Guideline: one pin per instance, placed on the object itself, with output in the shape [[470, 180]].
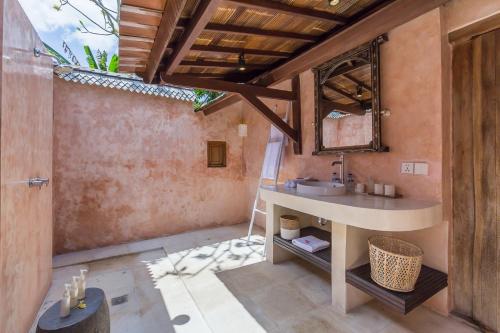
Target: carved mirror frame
[[369, 52]]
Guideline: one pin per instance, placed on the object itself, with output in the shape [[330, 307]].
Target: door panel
[[476, 178]]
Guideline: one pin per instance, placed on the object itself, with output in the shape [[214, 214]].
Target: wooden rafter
[[342, 92], [357, 82], [289, 10], [384, 19], [223, 102], [237, 50], [203, 14], [220, 64], [296, 115], [220, 85], [172, 14], [249, 31], [328, 106], [262, 108]]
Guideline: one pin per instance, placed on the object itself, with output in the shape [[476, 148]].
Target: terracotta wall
[[25, 151], [411, 79], [130, 166]]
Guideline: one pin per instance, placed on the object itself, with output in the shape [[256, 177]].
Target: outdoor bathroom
[[370, 126]]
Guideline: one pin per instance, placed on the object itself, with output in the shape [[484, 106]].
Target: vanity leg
[[274, 253], [349, 250]]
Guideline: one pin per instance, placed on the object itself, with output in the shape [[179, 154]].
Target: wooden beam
[[389, 17], [249, 31], [137, 14], [296, 116], [339, 91], [202, 15], [219, 85], [328, 106], [262, 108], [220, 64], [238, 50], [357, 82], [282, 8], [367, 28], [171, 15], [220, 104]]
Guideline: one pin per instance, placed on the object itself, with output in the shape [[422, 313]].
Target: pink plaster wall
[[129, 166], [347, 131], [25, 151], [411, 88]]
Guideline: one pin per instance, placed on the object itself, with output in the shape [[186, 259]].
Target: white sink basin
[[320, 188]]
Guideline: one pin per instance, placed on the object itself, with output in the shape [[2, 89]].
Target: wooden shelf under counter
[[429, 283], [322, 259]]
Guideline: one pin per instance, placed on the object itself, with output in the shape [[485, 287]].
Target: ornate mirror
[[347, 102]]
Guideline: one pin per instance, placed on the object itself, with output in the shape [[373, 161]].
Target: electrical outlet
[[407, 168], [421, 169]]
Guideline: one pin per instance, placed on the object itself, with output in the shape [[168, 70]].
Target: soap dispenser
[[82, 284], [65, 306]]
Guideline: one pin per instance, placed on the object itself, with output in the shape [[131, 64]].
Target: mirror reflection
[[347, 102]]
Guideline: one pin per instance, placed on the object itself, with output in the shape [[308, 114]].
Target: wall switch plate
[[407, 168], [421, 169]]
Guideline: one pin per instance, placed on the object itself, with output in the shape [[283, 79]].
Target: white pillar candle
[[390, 190], [360, 188], [379, 189]]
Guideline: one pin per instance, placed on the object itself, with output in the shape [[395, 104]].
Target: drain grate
[[119, 300]]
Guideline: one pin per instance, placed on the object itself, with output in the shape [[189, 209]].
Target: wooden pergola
[[242, 47]]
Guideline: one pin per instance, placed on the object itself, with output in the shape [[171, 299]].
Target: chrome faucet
[[341, 163]]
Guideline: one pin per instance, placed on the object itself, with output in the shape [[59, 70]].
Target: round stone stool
[[93, 319]]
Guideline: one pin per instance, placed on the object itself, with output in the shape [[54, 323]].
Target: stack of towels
[[310, 243]]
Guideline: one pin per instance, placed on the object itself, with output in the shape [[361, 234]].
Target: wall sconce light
[[333, 2], [241, 62], [242, 130], [359, 92]]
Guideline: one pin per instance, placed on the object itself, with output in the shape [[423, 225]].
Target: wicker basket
[[289, 226], [395, 264], [290, 222]]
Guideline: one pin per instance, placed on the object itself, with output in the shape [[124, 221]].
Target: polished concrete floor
[[213, 281]]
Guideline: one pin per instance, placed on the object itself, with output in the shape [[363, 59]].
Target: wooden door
[[475, 269]]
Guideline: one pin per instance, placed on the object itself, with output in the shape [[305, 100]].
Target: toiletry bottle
[[65, 307], [74, 291], [83, 284]]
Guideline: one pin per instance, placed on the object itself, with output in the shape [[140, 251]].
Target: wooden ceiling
[[204, 38]]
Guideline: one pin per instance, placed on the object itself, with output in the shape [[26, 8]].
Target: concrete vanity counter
[[360, 210], [354, 218]]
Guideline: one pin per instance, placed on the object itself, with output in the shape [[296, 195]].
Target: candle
[[390, 190], [360, 188], [379, 189]]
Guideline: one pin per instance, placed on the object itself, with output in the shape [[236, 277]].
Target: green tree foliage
[[102, 60], [203, 97]]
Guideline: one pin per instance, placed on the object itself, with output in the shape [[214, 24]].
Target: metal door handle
[[38, 182]]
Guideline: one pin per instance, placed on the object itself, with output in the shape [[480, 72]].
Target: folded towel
[[310, 243]]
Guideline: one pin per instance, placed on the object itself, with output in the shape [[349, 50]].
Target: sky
[[55, 27]]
